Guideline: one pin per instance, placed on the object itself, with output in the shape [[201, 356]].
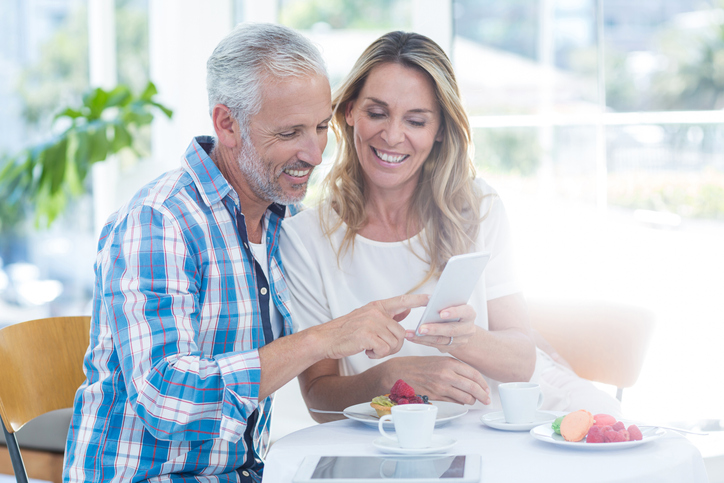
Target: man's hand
[[447, 336], [373, 328], [441, 378]]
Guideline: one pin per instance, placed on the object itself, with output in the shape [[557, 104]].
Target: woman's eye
[[322, 128], [417, 123], [375, 115]]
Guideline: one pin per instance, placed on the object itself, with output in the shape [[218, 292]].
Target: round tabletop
[[506, 455]]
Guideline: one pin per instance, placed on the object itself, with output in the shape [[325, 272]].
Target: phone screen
[[402, 468]]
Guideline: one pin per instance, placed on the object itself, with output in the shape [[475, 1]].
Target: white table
[[506, 456]]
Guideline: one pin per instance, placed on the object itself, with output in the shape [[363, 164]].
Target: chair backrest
[[603, 341], [42, 367]]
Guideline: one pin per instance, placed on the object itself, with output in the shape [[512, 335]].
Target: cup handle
[[381, 426], [540, 400]]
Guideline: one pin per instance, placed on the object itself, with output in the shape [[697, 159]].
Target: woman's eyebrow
[[383, 103]]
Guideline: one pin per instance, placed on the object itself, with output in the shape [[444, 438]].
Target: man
[[190, 302]]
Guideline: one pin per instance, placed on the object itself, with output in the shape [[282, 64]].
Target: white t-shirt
[[259, 251], [323, 290]]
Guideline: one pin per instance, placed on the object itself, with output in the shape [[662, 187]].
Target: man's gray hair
[[249, 56]]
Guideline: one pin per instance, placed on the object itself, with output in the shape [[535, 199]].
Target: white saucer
[[439, 444], [497, 420]]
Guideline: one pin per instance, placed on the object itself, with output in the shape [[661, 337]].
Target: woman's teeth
[[389, 158], [297, 173]]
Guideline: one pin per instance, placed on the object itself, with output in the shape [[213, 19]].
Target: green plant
[[47, 175]]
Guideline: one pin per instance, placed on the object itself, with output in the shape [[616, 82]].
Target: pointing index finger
[[399, 304]]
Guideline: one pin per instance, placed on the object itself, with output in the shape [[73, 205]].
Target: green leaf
[[96, 102], [149, 92], [69, 112], [121, 138], [54, 163], [80, 154], [120, 96], [98, 143], [164, 109]]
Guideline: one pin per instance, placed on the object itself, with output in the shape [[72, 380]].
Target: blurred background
[[599, 122]]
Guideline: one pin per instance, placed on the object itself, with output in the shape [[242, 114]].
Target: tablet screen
[[449, 467]]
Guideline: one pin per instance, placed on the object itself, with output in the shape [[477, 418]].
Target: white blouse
[[323, 288]]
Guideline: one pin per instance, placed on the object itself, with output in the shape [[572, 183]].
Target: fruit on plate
[[575, 425], [604, 420], [602, 428], [401, 393]]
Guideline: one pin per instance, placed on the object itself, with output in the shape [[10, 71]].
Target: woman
[[400, 200]]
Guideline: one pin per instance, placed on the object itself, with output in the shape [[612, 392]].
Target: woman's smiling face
[[396, 121]]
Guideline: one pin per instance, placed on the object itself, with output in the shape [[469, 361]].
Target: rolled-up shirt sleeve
[[153, 297]]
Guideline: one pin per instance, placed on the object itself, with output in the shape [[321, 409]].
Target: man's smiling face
[[288, 136]]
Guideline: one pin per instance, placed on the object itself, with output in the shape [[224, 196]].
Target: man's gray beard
[[262, 180]]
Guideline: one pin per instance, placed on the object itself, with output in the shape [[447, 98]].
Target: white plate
[[438, 445], [446, 412], [497, 420], [544, 432]]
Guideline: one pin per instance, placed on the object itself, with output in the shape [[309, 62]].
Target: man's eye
[[287, 135]]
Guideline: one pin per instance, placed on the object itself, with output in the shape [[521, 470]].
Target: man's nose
[[312, 149]]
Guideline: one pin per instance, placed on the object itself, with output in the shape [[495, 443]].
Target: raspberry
[[625, 434], [635, 433], [402, 389], [618, 426], [613, 437], [595, 435], [403, 400], [604, 420]]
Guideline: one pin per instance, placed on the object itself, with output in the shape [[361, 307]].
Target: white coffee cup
[[414, 424], [520, 400]]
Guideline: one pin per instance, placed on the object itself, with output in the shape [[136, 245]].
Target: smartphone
[[455, 286], [374, 469]]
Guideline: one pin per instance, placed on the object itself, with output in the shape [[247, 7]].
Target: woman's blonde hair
[[446, 204]]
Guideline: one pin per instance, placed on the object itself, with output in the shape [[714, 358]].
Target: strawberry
[[402, 389]]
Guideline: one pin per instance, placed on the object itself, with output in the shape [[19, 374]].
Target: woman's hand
[[447, 336], [440, 378]]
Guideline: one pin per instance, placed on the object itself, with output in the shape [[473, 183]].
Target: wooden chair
[[42, 364], [602, 341]]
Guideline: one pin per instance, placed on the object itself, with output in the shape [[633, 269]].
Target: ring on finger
[[451, 339]]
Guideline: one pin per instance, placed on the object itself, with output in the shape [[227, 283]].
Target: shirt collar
[[211, 184]]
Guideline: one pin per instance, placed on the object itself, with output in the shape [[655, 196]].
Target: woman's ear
[[440, 131], [225, 126], [348, 113]]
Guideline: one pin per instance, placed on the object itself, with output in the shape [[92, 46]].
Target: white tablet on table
[[374, 469]]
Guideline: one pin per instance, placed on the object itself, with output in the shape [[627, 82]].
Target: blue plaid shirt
[[173, 365]]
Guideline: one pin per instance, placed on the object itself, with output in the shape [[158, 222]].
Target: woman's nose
[[393, 134]]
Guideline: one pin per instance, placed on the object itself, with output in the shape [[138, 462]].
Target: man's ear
[[226, 127]]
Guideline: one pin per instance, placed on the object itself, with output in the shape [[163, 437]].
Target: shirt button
[[263, 290], [245, 473]]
